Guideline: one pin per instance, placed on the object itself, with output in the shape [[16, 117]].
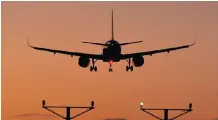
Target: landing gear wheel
[[91, 68], [127, 68], [110, 70], [95, 68], [131, 67]]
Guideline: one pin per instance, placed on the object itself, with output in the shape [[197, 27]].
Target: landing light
[[141, 104], [110, 62]]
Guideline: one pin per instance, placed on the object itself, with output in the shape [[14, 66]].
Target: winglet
[[28, 42], [193, 43]]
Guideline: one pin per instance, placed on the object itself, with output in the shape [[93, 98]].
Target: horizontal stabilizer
[[95, 43], [130, 43]]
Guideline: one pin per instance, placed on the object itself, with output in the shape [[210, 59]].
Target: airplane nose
[[110, 62]]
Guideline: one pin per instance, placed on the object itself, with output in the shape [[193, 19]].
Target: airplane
[[111, 53]]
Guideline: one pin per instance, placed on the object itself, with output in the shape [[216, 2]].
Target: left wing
[[95, 56], [125, 56]]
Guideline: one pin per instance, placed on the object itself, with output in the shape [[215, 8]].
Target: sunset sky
[[165, 80]]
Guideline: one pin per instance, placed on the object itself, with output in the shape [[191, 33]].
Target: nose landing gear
[[110, 69], [129, 67], [93, 67]]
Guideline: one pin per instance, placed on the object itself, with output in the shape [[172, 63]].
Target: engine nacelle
[[84, 61], [138, 61]]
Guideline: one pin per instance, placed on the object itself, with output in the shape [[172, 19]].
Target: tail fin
[[112, 33], [130, 43], [112, 25]]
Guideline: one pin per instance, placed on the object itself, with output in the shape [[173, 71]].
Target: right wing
[[130, 43], [95, 56], [125, 56]]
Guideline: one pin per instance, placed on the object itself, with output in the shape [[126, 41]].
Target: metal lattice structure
[[166, 112], [68, 108]]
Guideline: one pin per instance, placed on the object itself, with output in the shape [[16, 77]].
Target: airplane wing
[[95, 56], [125, 56], [130, 43]]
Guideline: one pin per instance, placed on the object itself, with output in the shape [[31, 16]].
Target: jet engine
[[84, 61], [138, 61]]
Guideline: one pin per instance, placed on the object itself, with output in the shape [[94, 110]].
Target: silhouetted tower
[[166, 111], [68, 108]]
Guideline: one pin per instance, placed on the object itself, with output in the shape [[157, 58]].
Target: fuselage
[[112, 51]]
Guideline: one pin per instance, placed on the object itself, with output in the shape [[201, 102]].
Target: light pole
[[68, 108], [166, 110]]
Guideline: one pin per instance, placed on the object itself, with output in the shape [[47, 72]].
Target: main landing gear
[[129, 66], [93, 67], [110, 69]]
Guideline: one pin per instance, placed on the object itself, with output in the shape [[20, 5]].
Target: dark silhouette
[[111, 53], [166, 110], [68, 116]]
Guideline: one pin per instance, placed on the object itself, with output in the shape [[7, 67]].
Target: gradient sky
[[166, 80]]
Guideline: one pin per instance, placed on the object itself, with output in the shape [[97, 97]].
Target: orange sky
[[166, 80]]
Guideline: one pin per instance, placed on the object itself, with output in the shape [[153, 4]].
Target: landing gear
[[93, 67], [110, 69], [129, 66]]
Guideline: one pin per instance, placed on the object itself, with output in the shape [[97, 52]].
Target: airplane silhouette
[[111, 53]]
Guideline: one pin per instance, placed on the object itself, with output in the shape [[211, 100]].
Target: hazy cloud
[[34, 114], [115, 119]]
